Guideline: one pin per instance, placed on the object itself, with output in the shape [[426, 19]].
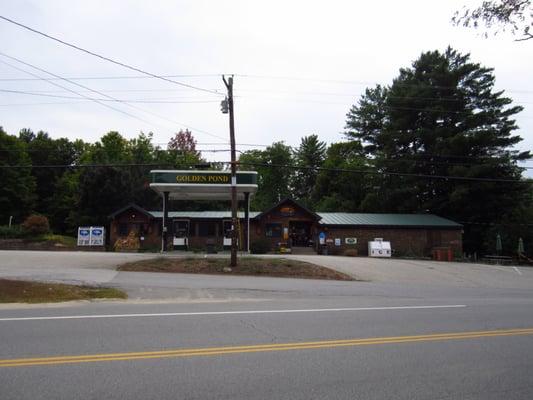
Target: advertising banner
[[91, 236]]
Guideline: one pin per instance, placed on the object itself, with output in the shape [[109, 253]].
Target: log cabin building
[[287, 227]]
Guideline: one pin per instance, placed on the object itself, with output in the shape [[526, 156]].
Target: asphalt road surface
[[452, 331]]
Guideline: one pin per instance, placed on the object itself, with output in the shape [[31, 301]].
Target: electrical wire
[[289, 166], [109, 77], [147, 101], [81, 95], [107, 58], [351, 82], [102, 94]]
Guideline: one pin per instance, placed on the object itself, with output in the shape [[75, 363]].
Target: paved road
[[221, 337]]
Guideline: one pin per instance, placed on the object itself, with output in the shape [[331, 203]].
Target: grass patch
[[278, 267], [67, 241], [14, 291]]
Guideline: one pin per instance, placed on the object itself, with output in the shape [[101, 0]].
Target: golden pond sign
[[202, 177], [218, 178]]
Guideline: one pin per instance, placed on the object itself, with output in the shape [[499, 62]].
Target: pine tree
[[310, 155], [441, 117]]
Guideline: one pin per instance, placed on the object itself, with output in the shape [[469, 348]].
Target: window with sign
[[273, 230], [181, 229]]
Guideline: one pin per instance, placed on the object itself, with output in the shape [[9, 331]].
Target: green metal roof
[[361, 219], [201, 214], [411, 220]]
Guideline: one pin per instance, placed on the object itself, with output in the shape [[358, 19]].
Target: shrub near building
[[36, 224]]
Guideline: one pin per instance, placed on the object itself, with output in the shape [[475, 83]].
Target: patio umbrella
[[498, 244], [520, 246]]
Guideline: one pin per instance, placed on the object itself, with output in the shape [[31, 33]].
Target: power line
[[289, 166], [251, 76], [352, 82], [370, 172], [147, 101], [79, 94], [55, 103], [110, 77], [108, 59], [493, 224], [102, 94]]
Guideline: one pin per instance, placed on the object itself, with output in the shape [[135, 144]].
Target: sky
[[298, 65]]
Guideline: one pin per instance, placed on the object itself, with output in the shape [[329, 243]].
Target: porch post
[[164, 224], [247, 218]]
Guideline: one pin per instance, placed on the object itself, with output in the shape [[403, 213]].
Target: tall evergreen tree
[[341, 191], [274, 179], [310, 156], [442, 117]]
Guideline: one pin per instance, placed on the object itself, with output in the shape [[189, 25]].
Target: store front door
[[300, 233]]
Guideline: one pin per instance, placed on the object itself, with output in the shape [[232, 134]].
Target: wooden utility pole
[[229, 86]]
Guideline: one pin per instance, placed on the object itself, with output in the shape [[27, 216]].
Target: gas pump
[[226, 227], [180, 240]]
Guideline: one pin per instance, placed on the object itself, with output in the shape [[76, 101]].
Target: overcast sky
[[329, 51]]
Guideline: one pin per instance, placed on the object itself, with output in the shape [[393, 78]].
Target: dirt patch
[[15, 291], [276, 267]]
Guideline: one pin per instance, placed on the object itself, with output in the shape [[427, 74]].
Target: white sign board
[[84, 234], [97, 236], [91, 236], [337, 241], [350, 240]]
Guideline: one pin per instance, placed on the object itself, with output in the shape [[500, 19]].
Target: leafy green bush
[[13, 232], [36, 224], [260, 246]]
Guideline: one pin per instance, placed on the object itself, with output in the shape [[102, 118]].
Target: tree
[[515, 15], [181, 150], [64, 203], [17, 183], [310, 155], [103, 189], [336, 190], [274, 177], [43, 150], [441, 118]]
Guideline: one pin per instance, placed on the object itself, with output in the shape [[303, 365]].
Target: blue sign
[[91, 236], [322, 238]]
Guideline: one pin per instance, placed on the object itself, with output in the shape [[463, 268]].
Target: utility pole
[[227, 105]]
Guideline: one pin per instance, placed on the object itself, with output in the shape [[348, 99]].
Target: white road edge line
[[517, 270], [188, 314]]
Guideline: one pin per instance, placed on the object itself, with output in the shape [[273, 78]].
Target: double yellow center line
[[216, 351]]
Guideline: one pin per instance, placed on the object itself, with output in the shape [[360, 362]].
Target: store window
[[273, 230], [123, 229]]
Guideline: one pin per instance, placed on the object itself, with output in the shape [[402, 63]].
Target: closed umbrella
[[520, 246], [498, 244]]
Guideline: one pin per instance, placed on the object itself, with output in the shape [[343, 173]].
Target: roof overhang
[[202, 185]]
